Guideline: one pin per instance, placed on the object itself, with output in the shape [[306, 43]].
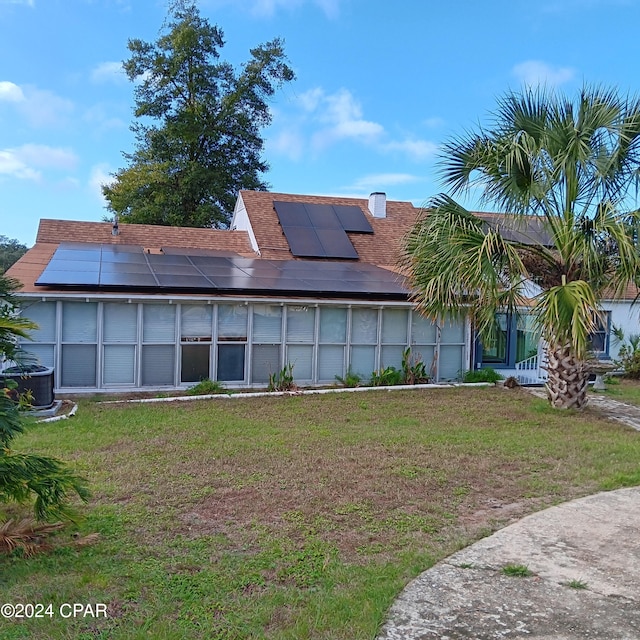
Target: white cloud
[[535, 73], [288, 143], [26, 162], [108, 72], [48, 157], [319, 120], [40, 108], [417, 149], [382, 180], [100, 174], [268, 8], [341, 117], [10, 92], [12, 165]]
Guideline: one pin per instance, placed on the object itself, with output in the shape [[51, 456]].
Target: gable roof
[[380, 248], [71, 255], [52, 233]]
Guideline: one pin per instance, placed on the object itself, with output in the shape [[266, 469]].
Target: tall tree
[[198, 134], [566, 166], [10, 252]]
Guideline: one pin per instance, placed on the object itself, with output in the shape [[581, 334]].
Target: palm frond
[[457, 265], [567, 315]]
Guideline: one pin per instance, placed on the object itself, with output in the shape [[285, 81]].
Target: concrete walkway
[[584, 559], [594, 542]]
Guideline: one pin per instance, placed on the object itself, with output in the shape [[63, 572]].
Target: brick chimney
[[378, 204]]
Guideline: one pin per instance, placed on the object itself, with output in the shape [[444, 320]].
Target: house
[[302, 280]]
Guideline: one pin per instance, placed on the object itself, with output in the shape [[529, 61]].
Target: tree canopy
[[567, 166], [11, 251], [198, 127]]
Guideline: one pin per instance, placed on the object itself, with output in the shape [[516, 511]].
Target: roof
[[51, 233], [90, 250], [380, 248]]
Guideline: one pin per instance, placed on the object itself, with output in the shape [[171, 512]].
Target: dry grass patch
[[302, 517]]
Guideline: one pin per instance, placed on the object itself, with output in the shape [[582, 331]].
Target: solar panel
[[323, 216], [320, 230], [304, 242], [336, 244], [292, 214], [234, 275], [352, 218]]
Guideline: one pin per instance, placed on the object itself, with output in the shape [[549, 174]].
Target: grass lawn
[[294, 517], [623, 390]]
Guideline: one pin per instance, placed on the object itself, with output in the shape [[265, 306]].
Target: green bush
[[282, 380], [629, 355], [350, 380], [386, 377], [206, 387], [482, 375], [414, 371]]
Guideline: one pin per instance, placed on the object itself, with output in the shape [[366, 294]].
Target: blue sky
[[380, 86]]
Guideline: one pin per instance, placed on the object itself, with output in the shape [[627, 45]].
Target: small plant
[[386, 377], [350, 380], [629, 354], [206, 387], [482, 375], [577, 584], [413, 368], [517, 571], [282, 380]]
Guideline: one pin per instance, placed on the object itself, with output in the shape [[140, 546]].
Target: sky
[[380, 86]]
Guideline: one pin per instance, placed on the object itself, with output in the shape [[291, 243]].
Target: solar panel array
[[119, 267], [320, 230]]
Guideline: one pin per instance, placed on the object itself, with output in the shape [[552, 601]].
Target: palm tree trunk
[[568, 378]]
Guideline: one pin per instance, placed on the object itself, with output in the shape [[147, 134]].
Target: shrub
[[629, 355], [282, 380], [414, 370], [386, 377], [482, 375], [350, 380], [206, 387]]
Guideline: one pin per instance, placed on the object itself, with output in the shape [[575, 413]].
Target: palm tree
[[27, 477], [563, 170]]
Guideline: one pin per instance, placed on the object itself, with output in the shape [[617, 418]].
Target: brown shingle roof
[[52, 232], [380, 248], [146, 235]]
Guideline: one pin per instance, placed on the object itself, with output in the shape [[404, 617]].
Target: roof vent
[[115, 230], [378, 204]]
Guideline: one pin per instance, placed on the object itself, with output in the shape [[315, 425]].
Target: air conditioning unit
[[37, 379]]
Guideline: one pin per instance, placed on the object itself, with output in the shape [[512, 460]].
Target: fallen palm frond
[[26, 534]]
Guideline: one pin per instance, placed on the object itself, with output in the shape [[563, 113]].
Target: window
[[494, 348], [364, 340], [42, 345], [158, 348], [300, 333], [79, 344], [232, 339], [424, 337], [333, 337], [394, 337], [267, 335], [120, 330], [196, 332], [599, 339]]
